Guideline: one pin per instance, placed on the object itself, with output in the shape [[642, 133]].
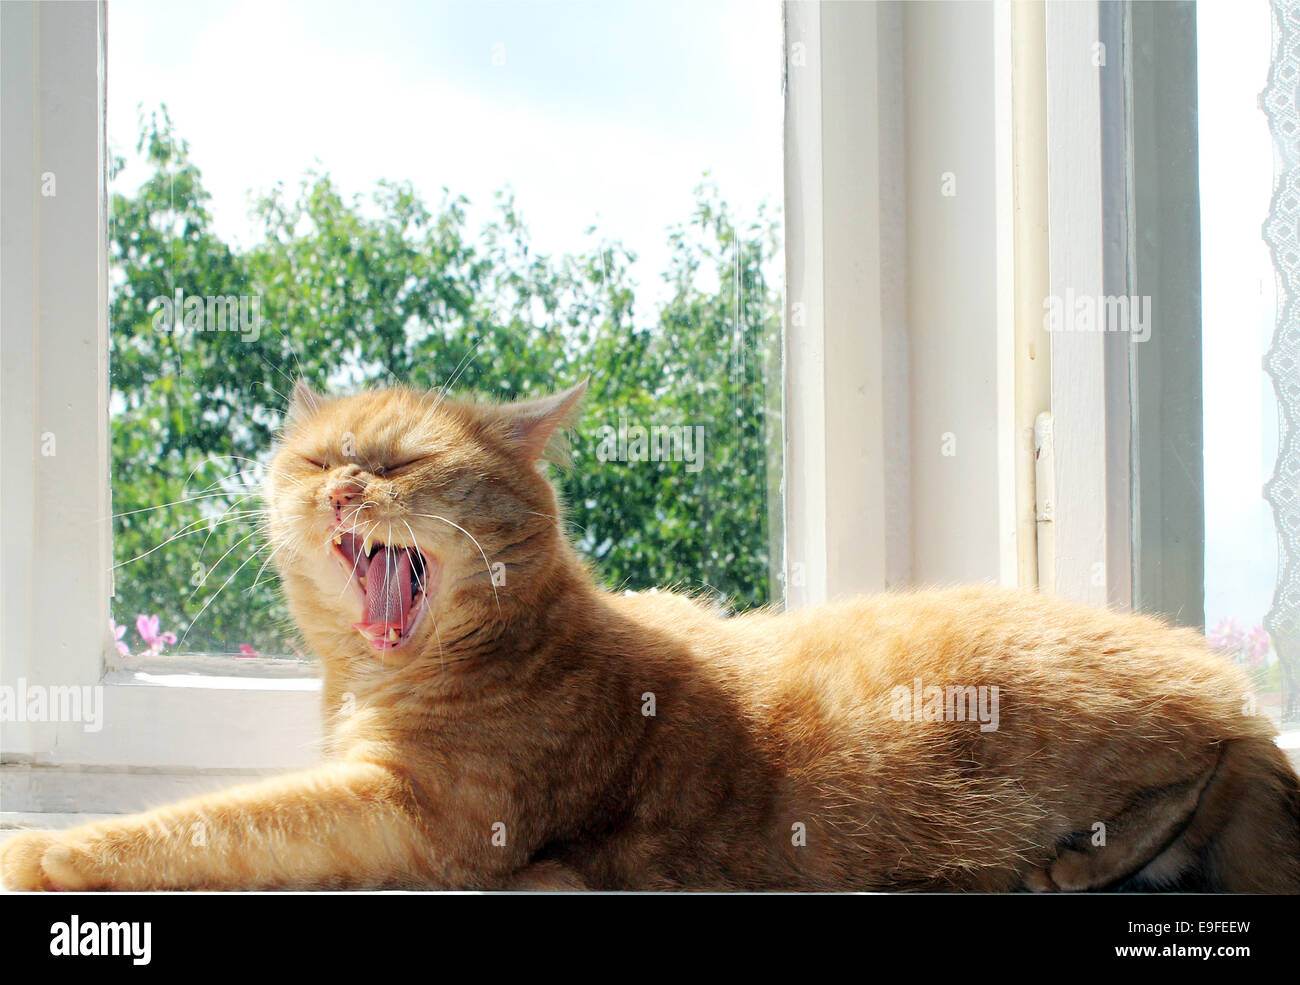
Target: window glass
[[1238, 295], [515, 195]]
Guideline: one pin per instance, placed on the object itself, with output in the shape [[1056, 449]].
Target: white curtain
[[1281, 102]]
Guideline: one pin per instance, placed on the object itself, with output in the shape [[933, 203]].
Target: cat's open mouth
[[393, 584]]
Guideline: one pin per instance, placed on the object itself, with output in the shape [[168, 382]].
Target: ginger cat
[[498, 721]]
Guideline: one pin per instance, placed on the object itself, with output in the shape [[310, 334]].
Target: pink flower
[[118, 632], [247, 651], [147, 627], [1256, 645], [1227, 635]]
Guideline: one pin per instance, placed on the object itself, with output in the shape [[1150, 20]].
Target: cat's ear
[[303, 403], [538, 426]]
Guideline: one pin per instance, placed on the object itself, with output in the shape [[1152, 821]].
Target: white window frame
[[872, 348], [870, 379], [841, 166], [159, 733], [1091, 421]]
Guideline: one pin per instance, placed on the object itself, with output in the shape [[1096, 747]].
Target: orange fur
[[507, 743]]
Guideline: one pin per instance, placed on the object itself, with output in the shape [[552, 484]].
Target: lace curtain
[[1280, 100]]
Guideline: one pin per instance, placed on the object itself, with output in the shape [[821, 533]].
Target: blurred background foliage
[[359, 293]]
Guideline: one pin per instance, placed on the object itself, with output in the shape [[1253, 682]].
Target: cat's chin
[[391, 585]]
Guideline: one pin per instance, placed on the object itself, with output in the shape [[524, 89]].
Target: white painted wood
[[845, 402], [20, 820], [1083, 552], [958, 311], [200, 727], [29, 792], [1031, 345], [900, 392], [896, 354], [250, 669], [55, 353], [1045, 501], [18, 210], [1008, 210], [804, 395]]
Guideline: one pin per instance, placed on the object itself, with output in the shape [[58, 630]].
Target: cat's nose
[[343, 494]]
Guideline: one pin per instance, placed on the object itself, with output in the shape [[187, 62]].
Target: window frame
[[870, 353], [1129, 513], [1091, 542], [56, 514], [843, 157]]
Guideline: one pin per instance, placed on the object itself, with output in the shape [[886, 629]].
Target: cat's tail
[[1244, 836]]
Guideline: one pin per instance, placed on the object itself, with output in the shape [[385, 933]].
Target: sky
[[595, 113]]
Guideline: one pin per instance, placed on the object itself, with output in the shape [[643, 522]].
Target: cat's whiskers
[[236, 488], [208, 573], [209, 523], [193, 527], [178, 502], [487, 564], [256, 473], [242, 514], [214, 595], [260, 472], [557, 519], [258, 577], [424, 590], [445, 389]]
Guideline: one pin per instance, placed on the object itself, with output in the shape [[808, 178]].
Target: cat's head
[[391, 510]]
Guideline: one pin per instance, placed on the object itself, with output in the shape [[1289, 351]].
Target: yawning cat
[[497, 720]]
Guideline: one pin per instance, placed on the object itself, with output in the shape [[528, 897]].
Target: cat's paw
[[1076, 871], [1039, 881], [1071, 872], [39, 861], [21, 867]]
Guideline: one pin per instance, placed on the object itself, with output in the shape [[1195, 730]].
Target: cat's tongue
[[388, 594]]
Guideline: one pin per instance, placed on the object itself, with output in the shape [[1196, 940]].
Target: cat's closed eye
[[390, 469]]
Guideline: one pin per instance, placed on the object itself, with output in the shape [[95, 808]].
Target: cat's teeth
[[362, 579], [338, 539], [367, 543], [393, 635]]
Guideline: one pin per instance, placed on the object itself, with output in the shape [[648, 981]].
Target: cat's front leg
[[349, 824]]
